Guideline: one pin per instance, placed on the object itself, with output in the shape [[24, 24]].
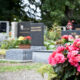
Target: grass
[[1, 61], [33, 66]]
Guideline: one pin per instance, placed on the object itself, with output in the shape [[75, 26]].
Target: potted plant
[[24, 42]]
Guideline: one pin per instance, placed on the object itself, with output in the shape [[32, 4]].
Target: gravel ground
[[21, 75]]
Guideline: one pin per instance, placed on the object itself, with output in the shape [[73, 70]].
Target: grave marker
[[4, 30], [37, 34], [35, 30]]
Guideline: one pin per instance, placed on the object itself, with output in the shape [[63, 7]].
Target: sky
[[32, 6]]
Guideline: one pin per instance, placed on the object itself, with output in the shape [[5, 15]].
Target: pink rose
[[51, 59], [77, 42], [72, 48], [72, 54], [77, 58], [78, 68], [72, 58], [60, 49], [56, 58], [59, 58]]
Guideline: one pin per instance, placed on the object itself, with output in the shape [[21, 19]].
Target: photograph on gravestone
[[23, 29], [3, 27], [37, 34]]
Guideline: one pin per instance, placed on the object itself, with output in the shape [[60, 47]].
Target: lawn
[[13, 66]]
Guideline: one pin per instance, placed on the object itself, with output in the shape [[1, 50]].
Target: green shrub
[[50, 44], [55, 33], [8, 44], [48, 70]]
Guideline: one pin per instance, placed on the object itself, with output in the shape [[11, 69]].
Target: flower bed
[[66, 61], [24, 42]]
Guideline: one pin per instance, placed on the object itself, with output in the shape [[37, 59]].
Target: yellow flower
[[3, 52], [21, 38]]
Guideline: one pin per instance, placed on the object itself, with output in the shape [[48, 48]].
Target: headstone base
[[41, 56], [22, 54]]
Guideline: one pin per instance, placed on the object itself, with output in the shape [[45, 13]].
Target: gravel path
[[21, 75]]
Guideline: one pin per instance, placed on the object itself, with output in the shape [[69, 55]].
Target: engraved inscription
[[36, 29]]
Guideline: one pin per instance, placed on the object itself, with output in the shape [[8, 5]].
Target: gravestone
[[35, 30], [14, 26], [4, 30], [23, 29], [70, 32], [37, 34]]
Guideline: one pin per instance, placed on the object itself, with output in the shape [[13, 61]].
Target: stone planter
[[23, 46]]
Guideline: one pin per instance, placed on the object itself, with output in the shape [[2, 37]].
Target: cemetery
[[39, 40], [27, 42]]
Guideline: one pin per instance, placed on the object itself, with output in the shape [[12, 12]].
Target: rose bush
[[66, 61]]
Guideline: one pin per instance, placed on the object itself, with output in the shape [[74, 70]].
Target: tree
[[59, 11], [12, 10]]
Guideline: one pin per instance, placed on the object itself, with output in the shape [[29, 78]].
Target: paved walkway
[[21, 75]]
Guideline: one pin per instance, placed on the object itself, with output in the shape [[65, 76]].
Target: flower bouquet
[[24, 42], [65, 39], [66, 61]]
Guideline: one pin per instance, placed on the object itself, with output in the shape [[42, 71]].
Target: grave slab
[[19, 54], [22, 54], [41, 56]]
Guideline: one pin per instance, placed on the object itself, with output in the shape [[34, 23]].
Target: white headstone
[[14, 26]]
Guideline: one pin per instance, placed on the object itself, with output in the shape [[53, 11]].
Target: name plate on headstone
[[36, 29]]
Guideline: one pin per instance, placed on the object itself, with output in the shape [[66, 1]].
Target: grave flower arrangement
[[66, 61], [65, 39], [24, 42]]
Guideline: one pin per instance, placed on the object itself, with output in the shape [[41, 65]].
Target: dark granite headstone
[[37, 34], [35, 30]]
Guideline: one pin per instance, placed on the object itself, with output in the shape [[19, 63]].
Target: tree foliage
[[59, 11], [11, 9]]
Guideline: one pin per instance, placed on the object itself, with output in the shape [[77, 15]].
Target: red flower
[[65, 37], [28, 37]]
